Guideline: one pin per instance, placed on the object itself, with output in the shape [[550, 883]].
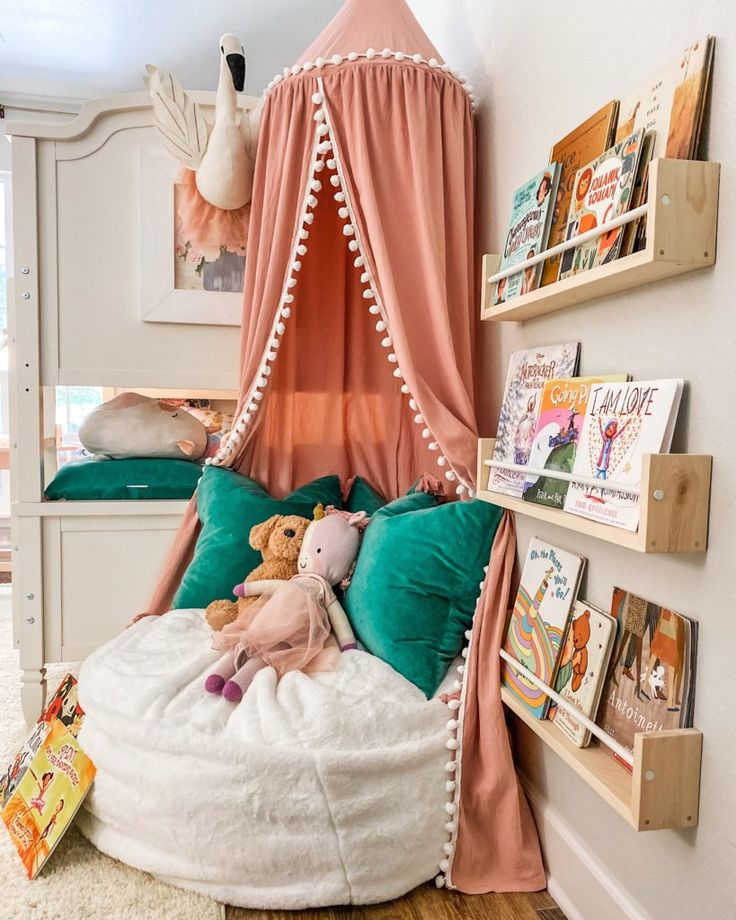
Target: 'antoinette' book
[[603, 190], [650, 683], [547, 591], [556, 437], [586, 652], [528, 372], [589, 140], [622, 422], [531, 214]]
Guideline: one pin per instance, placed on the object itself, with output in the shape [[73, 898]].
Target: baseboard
[[581, 885]]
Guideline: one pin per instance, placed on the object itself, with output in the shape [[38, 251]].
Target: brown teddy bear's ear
[[260, 533]]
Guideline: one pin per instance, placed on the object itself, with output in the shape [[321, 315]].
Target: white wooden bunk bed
[[92, 297]]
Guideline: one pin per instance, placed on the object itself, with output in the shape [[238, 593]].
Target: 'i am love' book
[[561, 413], [547, 591], [586, 651], [603, 190], [622, 422], [531, 214], [650, 683], [528, 372]]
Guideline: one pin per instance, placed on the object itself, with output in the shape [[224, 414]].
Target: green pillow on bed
[[414, 589], [229, 504], [124, 480], [363, 497]]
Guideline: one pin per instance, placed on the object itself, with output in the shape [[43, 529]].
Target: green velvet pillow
[[229, 505], [363, 497], [121, 480], [414, 589]]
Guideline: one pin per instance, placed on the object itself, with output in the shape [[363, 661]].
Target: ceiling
[[88, 48]]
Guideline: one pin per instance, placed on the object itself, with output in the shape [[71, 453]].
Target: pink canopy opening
[[357, 336]]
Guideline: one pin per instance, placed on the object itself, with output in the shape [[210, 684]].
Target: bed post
[[26, 430]]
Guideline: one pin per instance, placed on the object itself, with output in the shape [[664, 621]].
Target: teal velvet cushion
[[414, 589], [363, 497], [229, 505], [124, 480]]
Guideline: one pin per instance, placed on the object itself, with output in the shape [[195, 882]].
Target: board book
[[528, 372], [586, 651], [623, 421], [561, 412], [547, 591], [590, 139], [650, 683], [531, 214], [602, 190]]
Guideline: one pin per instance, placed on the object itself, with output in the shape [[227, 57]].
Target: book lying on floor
[[623, 421], [531, 214], [650, 684], [547, 591], [586, 651], [528, 372], [47, 781], [561, 413]]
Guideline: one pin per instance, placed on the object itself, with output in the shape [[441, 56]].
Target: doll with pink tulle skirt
[[294, 625]]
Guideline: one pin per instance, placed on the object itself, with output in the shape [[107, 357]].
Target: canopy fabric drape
[[357, 335]]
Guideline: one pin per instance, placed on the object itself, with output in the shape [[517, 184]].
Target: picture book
[[47, 797], [671, 103], [549, 584], [633, 230], [602, 190], [556, 437], [64, 706], [528, 371], [586, 651], [531, 213], [622, 422], [650, 683], [590, 139]]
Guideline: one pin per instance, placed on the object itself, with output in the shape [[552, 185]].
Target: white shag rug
[[78, 882]]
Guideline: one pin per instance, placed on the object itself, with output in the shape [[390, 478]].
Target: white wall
[[539, 70]]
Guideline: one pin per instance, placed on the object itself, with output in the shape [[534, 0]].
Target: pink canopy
[[357, 336]]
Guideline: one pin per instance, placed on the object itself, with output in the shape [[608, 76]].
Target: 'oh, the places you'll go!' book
[[547, 591], [528, 372], [531, 216], [622, 422], [603, 190]]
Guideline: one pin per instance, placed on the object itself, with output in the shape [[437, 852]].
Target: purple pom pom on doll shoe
[[214, 683], [232, 692]]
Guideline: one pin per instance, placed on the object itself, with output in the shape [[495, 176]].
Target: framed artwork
[[180, 284]]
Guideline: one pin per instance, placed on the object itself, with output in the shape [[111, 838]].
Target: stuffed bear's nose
[[289, 533]]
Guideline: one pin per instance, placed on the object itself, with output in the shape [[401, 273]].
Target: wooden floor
[[425, 903]]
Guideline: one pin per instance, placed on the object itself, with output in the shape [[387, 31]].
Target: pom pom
[[330, 163], [307, 65], [451, 744], [359, 262], [295, 69], [288, 298], [208, 461], [380, 326], [413, 404], [317, 99], [343, 213], [365, 277], [252, 407], [319, 165], [442, 461], [417, 58], [296, 266], [261, 382], [348, 230], [353, 246], [337, 59], [452, 725], [368, 294], [451, 827], [302, 249], [370, 53], [386, 342], [457, 685], [285, 72], [464, 653], [450, 766], [303, 234], [286, 312], [450, 475], [460, 669], [280, 328], [322, 130], [448, 847], [387, 53], [459, 490], [339, 196], [318, 63], [374, 309], [316, 185], [418, 418], [453, 704], [324, 147], [433, 445], [334, 181], [308, 218], [392, 358], [404, 388], [469, 88], [399, 55], [433, 62], [426, 433], [468, 634], [397, 373], [450, 808], [439, 881], [471, 493], [353, 56], [291, 283], [444, 865], [246, 417]]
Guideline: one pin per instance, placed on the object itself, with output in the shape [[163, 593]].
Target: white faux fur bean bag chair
[[318, 790]]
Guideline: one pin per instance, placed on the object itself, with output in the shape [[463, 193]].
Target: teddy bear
[[290, 626], [580, 636], [279, 540]]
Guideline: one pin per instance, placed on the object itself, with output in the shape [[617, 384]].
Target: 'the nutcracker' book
[[547, 591], [528, 372]]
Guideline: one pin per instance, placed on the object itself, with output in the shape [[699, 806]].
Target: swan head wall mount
[[233, 53]]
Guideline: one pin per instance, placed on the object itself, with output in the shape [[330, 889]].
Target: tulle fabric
[[290, 629], [206, 227]]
